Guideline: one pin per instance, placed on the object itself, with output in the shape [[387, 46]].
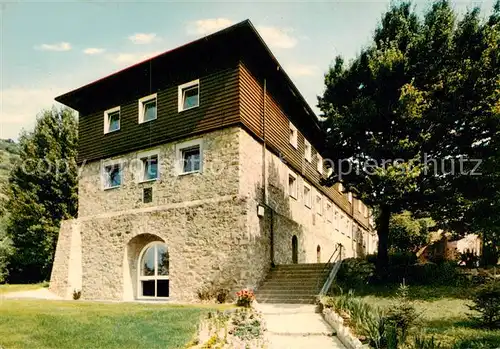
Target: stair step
[[287, 300]]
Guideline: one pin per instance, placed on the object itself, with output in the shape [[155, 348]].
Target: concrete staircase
[[293, 283]]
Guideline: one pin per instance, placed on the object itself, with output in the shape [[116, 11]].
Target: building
[[200, 168]]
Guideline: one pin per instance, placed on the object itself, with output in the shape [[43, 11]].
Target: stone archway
[[132, 254]]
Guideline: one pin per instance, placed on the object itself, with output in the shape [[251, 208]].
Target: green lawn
[[80, 325], [443, 314]]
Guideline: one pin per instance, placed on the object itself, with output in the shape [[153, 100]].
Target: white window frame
[[319, 164], [307, 200], [108, 163], [144, 100], [307, 151], [336, 219], [155, 277], [180, 92], [342, 224], [179, 154], [318, 206], [349, 197], [106, 119], [293, 135], [144, 155], [293, 193]]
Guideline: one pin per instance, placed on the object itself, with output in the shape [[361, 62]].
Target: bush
[[402, 315], [77, 294], [486, 301], [425, 343], [355, 272], [245, 298]]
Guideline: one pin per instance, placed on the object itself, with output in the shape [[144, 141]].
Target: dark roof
[[241, 38]]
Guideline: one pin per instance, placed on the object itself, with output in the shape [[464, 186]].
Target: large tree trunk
[[383, 239]]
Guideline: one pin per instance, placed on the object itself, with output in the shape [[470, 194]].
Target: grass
[[443, 313], [67, 324]]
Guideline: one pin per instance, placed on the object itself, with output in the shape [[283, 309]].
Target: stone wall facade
[[209, 221]]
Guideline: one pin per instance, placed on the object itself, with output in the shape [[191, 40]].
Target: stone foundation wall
[[210, 244], [67, 268]]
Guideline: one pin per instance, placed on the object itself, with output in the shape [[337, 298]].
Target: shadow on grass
[[488, 341], [417, 292]]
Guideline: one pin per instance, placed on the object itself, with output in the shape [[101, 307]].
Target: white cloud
[[125, 58], [302, 69], [278, 37], [60, 46], [19, 107], [93, 51], [207, 26], [143, 38]]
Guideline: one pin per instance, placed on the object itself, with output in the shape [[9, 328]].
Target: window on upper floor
[[293, 135], [189, 95], [307, 150], [340, 187], [349, 197], [112, 120], [112, 175], [189, 157], [307, 195], [319, 204], [329, 213], [149, 166], [336, 220], [319, 164], [147, 108], [292, 185]]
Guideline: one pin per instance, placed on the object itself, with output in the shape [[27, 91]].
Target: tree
[[407, 233], [420, 99], [42, 191]]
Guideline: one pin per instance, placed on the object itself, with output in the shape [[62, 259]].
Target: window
[[292, 185], [112, 176], [112, 120], [147, 108], [189, 157], [329, 212], [319, 204], [150, 168], [189, 95], [307, 150], [360, 206], [349, 197], [341, 187], [307, 195], [319, 165], [336, 220], [342, 224], [293, 135], [153, 271]]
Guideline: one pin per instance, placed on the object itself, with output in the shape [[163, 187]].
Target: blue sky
[[48, 48]]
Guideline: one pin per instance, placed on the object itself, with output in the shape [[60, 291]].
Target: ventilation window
[[147, 195]]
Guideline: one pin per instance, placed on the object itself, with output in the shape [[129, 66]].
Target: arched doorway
[[295, 250], [153, 271], [318, 254]]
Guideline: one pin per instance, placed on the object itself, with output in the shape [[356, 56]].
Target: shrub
[[425, 343], [355, 272], [222, 295], [402, 315], [486, 301], [77, 294], [244, 298]]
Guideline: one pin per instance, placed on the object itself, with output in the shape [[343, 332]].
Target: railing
[[336, 260]]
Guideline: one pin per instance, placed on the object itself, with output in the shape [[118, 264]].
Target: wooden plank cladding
[[277, 135], [219, 99]]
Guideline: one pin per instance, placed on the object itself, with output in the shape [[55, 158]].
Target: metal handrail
[[327, 264], [333, 271]]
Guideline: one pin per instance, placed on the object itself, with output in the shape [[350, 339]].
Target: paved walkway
[[297, 326], [41, 293]]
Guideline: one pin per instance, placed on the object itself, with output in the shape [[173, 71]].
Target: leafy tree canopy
[[42, 191], [408, 114]]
